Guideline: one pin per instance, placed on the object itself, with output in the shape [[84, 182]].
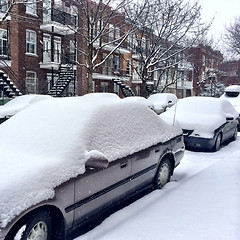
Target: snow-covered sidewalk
[[201, 202]]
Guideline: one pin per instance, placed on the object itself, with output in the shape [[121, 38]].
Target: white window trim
[[3, 39], [33, 43]]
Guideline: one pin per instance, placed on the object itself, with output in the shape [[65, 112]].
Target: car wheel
[[234, 137], [34, 227], [163, 173], [218, 142]]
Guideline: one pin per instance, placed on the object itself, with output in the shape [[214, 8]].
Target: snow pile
[[43, 144], [201, 114]]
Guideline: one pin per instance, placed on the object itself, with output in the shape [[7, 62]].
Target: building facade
[[43, 50]]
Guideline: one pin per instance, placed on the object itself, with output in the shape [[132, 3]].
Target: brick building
[[206, 67], [230, 73], [43, 50]]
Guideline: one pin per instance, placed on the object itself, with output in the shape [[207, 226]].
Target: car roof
[[233, 88]]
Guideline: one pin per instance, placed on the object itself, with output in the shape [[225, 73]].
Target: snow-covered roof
[[43, 144], [19, 103], [201, 114]]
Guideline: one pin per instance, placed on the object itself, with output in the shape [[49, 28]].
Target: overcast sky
[[224, 11]]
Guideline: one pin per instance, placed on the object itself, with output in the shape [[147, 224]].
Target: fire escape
[[65, 77], [7, 87], [126, 90]]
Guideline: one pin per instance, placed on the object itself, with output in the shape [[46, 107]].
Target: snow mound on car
[[49, 142]]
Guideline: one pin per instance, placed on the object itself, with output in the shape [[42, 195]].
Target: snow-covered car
[[19, 103], [162, 101], [139, 99], [65, 160], [206, 122], [232, 94]]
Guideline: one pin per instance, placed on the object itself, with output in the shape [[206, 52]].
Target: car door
[[228, 129], [144, 165], [99, 188]]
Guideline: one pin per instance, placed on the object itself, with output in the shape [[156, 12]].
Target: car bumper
[[199, 143]]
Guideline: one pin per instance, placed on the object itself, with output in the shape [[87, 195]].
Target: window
[[129, 40], [117, 33], [57, 49], [128, 68], [3, 5], [111, 32], [104, 87], [73, 51], [3, 43], [31, 82], [46, 48], [31, 41], [116, 63], [31, 7]]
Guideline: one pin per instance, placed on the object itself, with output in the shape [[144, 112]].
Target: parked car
[[232, 94], [206, 122], [66, 160], [19, 103], [139, 99], [162, 101]]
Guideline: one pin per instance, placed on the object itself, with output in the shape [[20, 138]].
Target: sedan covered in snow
[[64, 161], [206, 122], [232, 94], [162, 101]]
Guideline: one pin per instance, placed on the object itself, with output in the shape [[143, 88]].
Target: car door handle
[[123, 164]]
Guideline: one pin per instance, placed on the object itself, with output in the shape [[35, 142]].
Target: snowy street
[[201, 202]]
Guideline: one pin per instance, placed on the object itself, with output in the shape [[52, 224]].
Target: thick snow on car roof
[[163, 98], [203, 114], [233, 88], [19, 103], [139, 99], [232, 94], [43, 144]]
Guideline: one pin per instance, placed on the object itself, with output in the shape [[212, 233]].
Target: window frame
[[31, 86], [31, 44], [3, 42]]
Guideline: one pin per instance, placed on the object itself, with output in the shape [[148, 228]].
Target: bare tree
[[103, 29], [232, 37], [167, 29]]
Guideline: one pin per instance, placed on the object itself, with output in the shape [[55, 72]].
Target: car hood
[[202, 126], [49, 142]]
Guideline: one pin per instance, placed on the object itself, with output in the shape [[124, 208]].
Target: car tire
[[163, 174], [218, 142], [234, 137], [37, 226]]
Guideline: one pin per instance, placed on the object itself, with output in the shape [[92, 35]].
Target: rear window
[[232, 94]]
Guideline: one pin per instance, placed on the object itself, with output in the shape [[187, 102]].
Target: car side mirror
[[97, 163], [229, 118]]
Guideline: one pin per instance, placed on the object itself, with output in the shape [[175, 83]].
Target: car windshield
[[232, 94]]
